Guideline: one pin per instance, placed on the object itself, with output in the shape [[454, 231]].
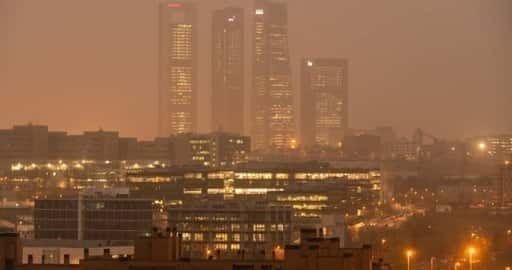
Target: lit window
[[198, 237], [258, 237], [221, 237], [236, 237], [258, 227]]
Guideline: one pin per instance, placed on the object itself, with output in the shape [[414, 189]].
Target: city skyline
[[255, 134], [462, 120]]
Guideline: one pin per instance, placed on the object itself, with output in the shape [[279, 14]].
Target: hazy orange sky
[[436, 64]]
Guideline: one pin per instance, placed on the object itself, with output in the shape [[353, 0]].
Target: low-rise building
[[163, 251], [210, 150], [92, 216], [72, 251], [232, 227]]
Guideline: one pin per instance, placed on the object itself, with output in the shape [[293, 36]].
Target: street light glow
[[409, 253], [482, 146], [471, 250]]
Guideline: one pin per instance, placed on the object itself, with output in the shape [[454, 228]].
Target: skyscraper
[[178, 68], [272, 117], [324, 101], [228, 70]]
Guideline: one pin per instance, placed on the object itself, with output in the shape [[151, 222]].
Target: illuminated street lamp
[[482, 146], [471, 252], [456, 265], [409, 253]]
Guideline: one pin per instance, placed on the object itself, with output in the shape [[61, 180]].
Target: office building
[[499, 146], [272, 117], [362, 147], [92, 215], [158, 149], [100, 145], [231, 227], [228, 110], [311, 190], [209, 150], [24, 143], [178, 68], [128, 148], [324, 101]]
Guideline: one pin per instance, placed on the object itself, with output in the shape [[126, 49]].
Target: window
[[221, 237], [198, 237], [258, 237], [221, 246], [258, 227], [235, 227], [236, 237]]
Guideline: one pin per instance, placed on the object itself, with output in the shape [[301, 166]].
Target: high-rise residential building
[[228, 70], [324, 101], [178, 68], [272, 116]]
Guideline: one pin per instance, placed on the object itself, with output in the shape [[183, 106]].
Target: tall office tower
[[272, 101], [324, 101], [228, 70], [178, 69]]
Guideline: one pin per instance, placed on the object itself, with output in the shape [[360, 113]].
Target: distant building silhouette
[[228, 70], [324, 101], [24, 142], [272, 116], [178, 68]]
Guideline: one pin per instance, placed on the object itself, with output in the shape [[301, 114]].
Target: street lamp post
[[409, 253], [471, 252], [456, 266]]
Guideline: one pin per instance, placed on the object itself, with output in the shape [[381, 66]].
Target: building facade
[[228, 110], [209, 150], [324, 101], [311, 190], [229, 228], [499, 146], [92, 217], [272, 118], [178, 68], [21, 143]]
